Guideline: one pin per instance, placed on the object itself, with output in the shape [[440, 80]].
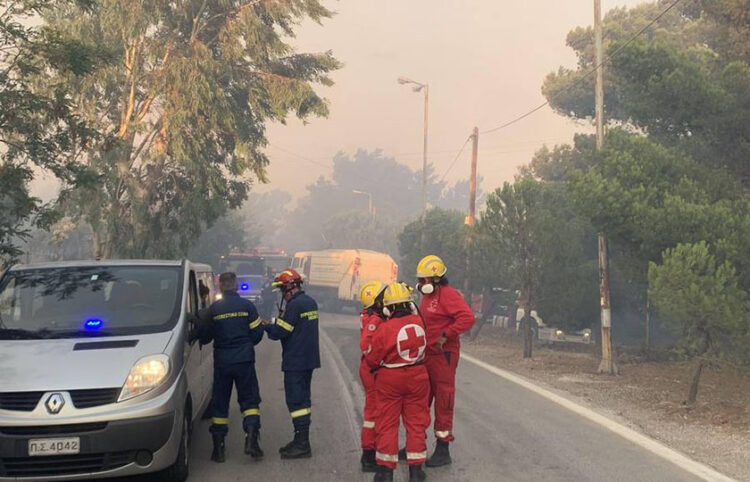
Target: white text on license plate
[[54, 446]]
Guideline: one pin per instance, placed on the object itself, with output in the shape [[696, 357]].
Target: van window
[[89, 301], [206, 289]]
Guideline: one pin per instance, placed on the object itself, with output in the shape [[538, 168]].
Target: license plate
[[54, 446]]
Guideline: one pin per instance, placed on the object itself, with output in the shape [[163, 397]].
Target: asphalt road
[[503, 431]]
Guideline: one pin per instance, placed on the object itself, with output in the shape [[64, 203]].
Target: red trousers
[[371, 407], [402, 393], [442, 370]]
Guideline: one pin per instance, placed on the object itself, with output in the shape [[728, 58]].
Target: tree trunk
[[527, 333], [697, 370], [647, 337]]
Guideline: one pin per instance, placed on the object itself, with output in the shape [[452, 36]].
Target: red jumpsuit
[[403, 388], [368, 324], [445, 313]]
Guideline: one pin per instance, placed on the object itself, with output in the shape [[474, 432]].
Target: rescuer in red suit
[[371, 296], [446, 315], [396, 354]]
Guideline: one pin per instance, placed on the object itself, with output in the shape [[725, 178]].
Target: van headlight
[[148, 373]]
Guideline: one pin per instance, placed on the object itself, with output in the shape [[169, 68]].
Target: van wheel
[[179, 471]]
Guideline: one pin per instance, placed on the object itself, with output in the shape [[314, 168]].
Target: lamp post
[[425, 88], [369, 198]]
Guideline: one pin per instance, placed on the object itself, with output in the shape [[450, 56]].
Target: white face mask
[[427, 289]]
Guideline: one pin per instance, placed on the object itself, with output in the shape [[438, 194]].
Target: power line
[[455, 159], [590, 72]]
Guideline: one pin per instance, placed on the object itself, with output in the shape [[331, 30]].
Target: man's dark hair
[[228, 282]]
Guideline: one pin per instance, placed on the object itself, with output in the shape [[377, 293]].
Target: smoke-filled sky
[[484, 60]]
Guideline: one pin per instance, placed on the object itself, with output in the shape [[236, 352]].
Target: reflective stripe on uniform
[[284, 324], [442, 433], [236, 314], [309, 315], [251, 411], [219, 421], [401, 365], [301, 412], [368, 424], [386, 457], [255, 324], [416, 455]]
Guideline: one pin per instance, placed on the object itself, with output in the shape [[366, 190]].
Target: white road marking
[[696, 468], [338, 367]]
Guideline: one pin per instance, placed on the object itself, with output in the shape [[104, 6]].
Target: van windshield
[[88, 301]]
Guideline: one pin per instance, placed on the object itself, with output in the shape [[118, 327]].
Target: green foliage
[[360, 229], [647, 197], [225, 235], [183, 109], [326, 212], [701, 298], [444, 235], [38, 126], [684, 82], [264, 216], [531, 240]]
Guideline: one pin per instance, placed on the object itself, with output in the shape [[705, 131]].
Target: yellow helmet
[[369, 293], [431, 267], [396, 293]]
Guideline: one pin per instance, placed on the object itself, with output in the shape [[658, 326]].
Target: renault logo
[[55, 403]]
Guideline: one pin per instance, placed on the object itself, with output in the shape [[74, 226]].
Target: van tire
[[179, 471]]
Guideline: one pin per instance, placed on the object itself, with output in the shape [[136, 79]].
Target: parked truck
[[334, 276]]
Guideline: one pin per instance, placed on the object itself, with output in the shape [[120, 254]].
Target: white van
[[99, 373]]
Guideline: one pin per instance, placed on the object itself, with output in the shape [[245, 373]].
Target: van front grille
[[64, 464], [54, 429], [20, 401], [95, 397]]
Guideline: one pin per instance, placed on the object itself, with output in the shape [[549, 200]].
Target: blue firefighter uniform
[[297, 328], [236, 328]]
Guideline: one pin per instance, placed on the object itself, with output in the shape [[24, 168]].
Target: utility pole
[[426, 91], [607, 364], [472, 207]]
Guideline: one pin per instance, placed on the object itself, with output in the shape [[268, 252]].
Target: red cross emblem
[[411, 342]]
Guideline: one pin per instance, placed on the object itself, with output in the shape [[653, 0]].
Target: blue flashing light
[[244, 286], [93, 324]]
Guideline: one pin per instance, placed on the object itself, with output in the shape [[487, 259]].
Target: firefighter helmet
[[370, 292], [396, 293], [431, 267], [287, 279]]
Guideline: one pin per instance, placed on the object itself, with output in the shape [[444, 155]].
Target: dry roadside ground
[[647, 395]]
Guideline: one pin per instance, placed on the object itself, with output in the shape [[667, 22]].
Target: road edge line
[[683, 461], [338, 363]]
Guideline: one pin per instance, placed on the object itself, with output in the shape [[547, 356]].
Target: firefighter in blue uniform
[[235, 327], [297, 328]]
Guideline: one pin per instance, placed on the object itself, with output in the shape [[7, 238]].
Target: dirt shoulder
[[648, 395]]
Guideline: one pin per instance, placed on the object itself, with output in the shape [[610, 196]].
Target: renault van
[[100, 374]]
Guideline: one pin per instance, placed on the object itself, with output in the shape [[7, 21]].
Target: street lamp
[[420, 87], [369, 197]]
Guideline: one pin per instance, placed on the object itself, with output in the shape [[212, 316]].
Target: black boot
[[368, 461], [299, 448], [441, 456], [218, 454], [252, 447], [384, 474], [416, 474]]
